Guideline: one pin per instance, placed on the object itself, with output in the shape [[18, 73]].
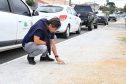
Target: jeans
[[35, 50]]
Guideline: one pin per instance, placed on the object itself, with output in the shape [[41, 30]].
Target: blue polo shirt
[[38, 33]]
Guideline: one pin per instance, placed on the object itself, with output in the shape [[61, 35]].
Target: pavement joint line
[[56, 44]]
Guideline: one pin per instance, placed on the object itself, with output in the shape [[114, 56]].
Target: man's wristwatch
[[56, 56]]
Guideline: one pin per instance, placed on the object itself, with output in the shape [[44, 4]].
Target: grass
[[122, 39]]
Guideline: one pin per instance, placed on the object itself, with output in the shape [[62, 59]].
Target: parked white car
[[16, 18], [70, 22]]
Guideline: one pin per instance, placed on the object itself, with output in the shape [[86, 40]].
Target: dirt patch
[[119, 34], [110, 67], [98, 73], [118, 63]]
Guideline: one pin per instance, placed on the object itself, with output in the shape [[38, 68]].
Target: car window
[[69, 10], [4, 6], [74, 12], [93, 10], [20, 8], [83, 8], [111, 15], [49, 9], [101, 14]]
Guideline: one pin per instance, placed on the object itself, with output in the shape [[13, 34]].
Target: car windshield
[[112, 15], [83, 8], [101, 14], [49, 9]]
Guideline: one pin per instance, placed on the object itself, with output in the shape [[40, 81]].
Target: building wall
[[58, 2], [61, 2]]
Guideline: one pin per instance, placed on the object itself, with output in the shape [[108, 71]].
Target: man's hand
[[59, 60]]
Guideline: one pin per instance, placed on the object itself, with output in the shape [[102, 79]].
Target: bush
[[30, 2]]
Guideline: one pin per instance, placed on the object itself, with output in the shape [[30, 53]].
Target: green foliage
[[112, 10], [104, 8], [122, 39], [111, 7], [125, 8], [111, 4], [30, 2]]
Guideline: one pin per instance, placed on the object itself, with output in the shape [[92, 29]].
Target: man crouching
[[40, 40]]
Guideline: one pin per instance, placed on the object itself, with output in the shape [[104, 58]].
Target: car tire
[[66, 34], [105, 23], [90, 26], [96, 26], [79, 30]]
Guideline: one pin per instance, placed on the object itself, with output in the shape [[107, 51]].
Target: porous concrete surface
[[96, 57]]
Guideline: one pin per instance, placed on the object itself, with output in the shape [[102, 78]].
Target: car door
[[75, 20], [24, 18], [8, 25], [70, 18]]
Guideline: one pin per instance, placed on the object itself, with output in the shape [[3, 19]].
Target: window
[[50, 9], [69, 10], [93, 10], [74, 12], [83, 8], [4, 6], [20, 8]]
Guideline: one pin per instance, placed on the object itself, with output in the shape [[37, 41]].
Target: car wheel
[[96, 26], [105, 23], [90, 26], [66, 34], [79, 30], [86, 25]]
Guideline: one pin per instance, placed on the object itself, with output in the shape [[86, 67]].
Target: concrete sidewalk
[[96, 57]]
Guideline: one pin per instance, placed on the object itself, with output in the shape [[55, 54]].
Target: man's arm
[[44, 1], [38, 41], [53, 48]]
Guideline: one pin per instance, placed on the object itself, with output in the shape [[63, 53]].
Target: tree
[[107, 1], [111, 4], [112, 7], [30, 2], [125, 8], [104, 8]]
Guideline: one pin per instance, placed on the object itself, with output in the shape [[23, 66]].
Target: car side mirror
[[35, 13], [96, 12]]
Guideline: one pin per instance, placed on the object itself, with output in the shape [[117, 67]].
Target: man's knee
[[43, 48]]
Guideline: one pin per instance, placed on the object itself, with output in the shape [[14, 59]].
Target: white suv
[[16, 18], [70, 22]]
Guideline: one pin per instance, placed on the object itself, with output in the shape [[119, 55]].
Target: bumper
[[101, 21], [63, 27], [84, 21], [111, 19]]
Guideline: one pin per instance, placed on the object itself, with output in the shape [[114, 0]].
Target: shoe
[[47, 58], [31, 60]]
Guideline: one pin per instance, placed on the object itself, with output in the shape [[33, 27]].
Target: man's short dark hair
[[55, 22]]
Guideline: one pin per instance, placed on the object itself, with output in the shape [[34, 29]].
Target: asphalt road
[[15, 53]]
